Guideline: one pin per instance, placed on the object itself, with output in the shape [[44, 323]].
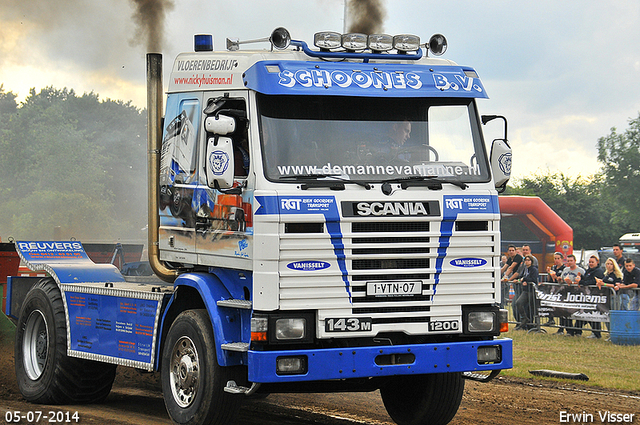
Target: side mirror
[[501, 163], [219, 167], [220, 125]]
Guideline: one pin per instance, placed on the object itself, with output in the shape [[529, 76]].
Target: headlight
[[291, 328], [481, 321]]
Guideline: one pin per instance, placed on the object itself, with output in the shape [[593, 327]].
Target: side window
[[235, 108], [178, 159]]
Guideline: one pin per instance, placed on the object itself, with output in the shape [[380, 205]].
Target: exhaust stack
[[154, 135]]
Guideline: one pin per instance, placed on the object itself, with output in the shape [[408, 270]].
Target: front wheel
[[192, 381], [44, 371], [423, 399]]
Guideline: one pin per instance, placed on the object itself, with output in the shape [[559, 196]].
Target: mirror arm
[[487, 118]]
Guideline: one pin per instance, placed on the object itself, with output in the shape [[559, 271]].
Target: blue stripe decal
[[325, 205], [446, 229], [453, 205]]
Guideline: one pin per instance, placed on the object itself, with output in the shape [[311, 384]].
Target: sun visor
[[363, 79]]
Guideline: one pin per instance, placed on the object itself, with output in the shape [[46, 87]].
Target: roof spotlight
[[327, 40], [354, 41], [437, 44], [406, 42], [280, 38], [380, 42]]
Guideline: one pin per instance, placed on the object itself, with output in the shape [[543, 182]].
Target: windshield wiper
[[336, 177], [432, 182]]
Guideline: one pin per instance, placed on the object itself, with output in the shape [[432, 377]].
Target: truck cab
[[365, 212]]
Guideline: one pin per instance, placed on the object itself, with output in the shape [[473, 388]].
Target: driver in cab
[[390, 147]]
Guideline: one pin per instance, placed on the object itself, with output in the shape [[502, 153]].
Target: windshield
[[371, 139]]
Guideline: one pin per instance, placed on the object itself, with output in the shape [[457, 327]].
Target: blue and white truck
[[329, 222]]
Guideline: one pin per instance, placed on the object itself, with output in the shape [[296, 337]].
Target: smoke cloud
[[366, 16], [149, 17]]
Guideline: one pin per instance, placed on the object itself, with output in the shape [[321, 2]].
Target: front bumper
[[360, 362]]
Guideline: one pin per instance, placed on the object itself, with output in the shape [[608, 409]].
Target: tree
[[620, 158], [577, 201], [73, 162]]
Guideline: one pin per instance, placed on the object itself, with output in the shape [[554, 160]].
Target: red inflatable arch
[[541, 220]]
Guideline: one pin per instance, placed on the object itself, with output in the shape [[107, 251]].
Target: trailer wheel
[[44, 371], [423, 399], [192, 381]]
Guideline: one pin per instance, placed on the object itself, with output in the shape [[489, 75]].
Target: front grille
[[372, 310], [396, 263], [383, 253], [368, 251], [379, 227], [411, 239], [370, 299], [414, 276]]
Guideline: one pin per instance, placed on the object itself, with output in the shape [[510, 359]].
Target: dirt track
[[136, 399]]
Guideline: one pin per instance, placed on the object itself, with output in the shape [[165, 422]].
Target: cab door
[[224, 225]]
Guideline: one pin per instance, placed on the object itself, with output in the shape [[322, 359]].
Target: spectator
[[556, 270], [571, 275], [526, 250], [612, 275], [513, 262], [554, 273], [524, 301], [590, 277], [617, 252], [630, 281], [516, 278]]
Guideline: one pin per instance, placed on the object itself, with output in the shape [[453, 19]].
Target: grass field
[[607, 365]]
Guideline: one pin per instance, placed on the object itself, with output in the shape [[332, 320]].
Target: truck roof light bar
[[279, 38], [355, 45], [325, 45]]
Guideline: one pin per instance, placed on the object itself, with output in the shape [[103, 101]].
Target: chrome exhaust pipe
[[154, 148]]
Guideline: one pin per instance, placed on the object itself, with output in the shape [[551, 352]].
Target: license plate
[[394, 289], [347, 324]]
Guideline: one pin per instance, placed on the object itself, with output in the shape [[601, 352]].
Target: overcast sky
[[562, 72]]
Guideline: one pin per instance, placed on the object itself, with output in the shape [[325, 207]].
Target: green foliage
[[620, 158], [73, 162], [577, 201]]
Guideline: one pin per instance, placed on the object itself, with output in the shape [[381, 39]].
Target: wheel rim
[[185, 372], [35, 345]]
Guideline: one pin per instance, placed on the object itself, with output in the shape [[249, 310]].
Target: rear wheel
[[192, 381], [44, 371], [423, 399]]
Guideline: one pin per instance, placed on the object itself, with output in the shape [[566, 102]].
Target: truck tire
[[45, 373], [423, 399], [192, 381]]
